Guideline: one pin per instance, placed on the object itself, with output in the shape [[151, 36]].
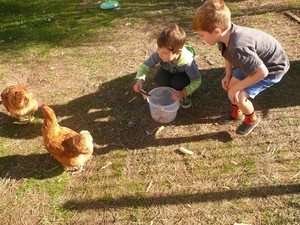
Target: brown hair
[[173, 38], [211, 15]]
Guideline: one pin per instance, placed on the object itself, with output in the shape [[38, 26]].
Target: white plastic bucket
[[163, 108]]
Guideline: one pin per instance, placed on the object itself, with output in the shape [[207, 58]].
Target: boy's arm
[[228, 73], [193, 86], [145, 68], [195, 77], [142, 72], [228, 69]]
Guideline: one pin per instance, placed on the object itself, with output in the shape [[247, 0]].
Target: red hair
[[211, 15]]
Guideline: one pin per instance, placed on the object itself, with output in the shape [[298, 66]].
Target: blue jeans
[[258, 87]]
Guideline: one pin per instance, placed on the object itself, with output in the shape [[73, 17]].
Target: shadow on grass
[[61, 23], [18, 131], [138, 201], [118, 118], [118, 122], [68, 23], [281, 95], [37, 166]]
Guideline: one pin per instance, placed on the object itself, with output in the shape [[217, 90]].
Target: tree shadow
[[64, 23], [118, 122], [18, 131], [140, 201], [118, 118], [69, 23], [37, 166], [283, 94]]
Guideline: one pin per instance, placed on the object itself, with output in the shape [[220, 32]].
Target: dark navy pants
[[178, 81]]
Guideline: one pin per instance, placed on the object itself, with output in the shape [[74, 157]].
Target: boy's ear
[[217, 31], [179, 51]]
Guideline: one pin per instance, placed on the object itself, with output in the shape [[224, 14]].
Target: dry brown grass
[[136, 177]]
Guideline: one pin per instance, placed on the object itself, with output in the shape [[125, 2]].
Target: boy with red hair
[[254, 60]]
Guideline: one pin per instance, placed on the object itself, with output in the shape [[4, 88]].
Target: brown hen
[[70, 148], [19, 103]]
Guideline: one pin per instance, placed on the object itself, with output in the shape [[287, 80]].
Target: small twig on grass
[[294, 150], [159, 130], [295, 175], [234, 162], [52, 169], [132, 99], [185, 151], [189, 206], [107, 165], [149, 186], [173, 135], [292, 16]]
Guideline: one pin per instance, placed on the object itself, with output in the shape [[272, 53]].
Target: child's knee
[[244, 101], [242, 98]]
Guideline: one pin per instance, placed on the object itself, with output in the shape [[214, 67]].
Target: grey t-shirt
[[249, 48]]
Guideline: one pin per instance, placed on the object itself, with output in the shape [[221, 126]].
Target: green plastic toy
[[109, 5]]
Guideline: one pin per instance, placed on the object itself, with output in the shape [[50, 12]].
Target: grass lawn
[[81, 61]]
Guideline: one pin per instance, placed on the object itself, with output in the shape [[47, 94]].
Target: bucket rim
[[163, 87]]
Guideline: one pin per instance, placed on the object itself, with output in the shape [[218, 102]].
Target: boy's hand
[[138, 86], [225, 81], [178, 95], [233, 94]]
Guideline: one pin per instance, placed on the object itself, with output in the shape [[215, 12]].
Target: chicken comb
[[43, 105]]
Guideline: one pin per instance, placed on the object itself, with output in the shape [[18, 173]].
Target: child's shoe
[[236, 114], [246, 128], [186, 103]]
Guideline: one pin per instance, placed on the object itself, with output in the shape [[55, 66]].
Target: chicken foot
[[26, 121]]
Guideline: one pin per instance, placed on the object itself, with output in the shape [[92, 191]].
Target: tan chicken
[[19, 103], [70, 148]]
